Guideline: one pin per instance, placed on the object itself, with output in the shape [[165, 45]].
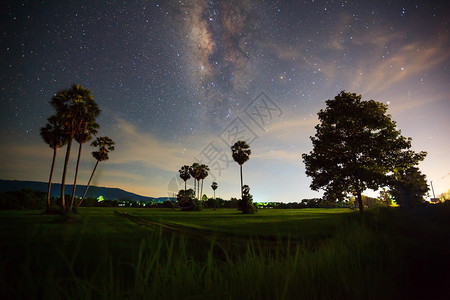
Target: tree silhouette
[[356, 146], [409, 187], [246, 203], [75, 108], [203, 173], [185, 199], [184, 174], [193, 171], [104, 145], [214, 186], [54, 136], [241, 153], [84, 135]]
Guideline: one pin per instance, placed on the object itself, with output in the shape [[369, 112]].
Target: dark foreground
[[283, 254]]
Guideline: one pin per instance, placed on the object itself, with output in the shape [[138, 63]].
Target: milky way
[[174, 74]]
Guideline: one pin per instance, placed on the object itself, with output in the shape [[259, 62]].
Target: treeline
[[31, 199], [23, 199]]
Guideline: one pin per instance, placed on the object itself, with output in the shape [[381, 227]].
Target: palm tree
[[214, 186], [105, 145], [193, 171], [75, 107], [85, 135], [53, 135], [203, 173], [184, 174], [241, 153]]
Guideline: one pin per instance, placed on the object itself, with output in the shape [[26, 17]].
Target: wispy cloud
[[136, 146], [279, 155]]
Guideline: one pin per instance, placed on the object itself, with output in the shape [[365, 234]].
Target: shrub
[[246, 204]]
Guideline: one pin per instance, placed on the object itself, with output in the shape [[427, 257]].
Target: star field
[[176, 73]]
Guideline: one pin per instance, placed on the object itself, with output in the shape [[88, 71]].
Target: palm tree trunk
[[75, 179], [214, 203], [50, 179], [242, 184], [198, 189], [63, 180], [185, 187], [85, 191], [201, 194], [195, 186]]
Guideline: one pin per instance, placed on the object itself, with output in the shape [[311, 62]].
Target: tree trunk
[[85, 191], [195, 187], [242, 183], [50, 179], [198, 189], [75, 179], [201, 194], [214, 203], [185, 186], [361, 206], [63, 180]]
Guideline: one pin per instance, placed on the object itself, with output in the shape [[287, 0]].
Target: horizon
[[179, 82]]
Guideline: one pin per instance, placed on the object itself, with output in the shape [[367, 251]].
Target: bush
[[187, 201], [23, 199], [246, 204]]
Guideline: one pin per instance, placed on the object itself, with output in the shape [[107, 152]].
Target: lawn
[[117, 253]]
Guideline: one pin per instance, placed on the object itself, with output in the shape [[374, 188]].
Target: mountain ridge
[[93, 191]]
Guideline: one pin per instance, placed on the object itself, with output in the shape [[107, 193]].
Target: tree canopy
[[357, 146]]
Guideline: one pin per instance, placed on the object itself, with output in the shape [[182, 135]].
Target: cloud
[[408, 61], [367, 61], [135, 146], [280, 156]]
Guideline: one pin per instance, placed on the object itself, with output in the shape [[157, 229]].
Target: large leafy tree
[[105, 145], [356, 146], [241, 153], [54, 136], [184, 174], [75, 109], [409, 187]]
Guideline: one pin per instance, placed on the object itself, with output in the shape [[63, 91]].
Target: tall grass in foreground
[[356, 263]]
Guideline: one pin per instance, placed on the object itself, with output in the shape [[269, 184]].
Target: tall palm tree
[[53, 135], [214, 186], [193, 171], [84, 135], [75, 107], [105, 145], [241, 153], [184, 174], [203, 173]]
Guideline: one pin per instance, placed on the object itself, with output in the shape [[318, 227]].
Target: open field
[[116, 253]]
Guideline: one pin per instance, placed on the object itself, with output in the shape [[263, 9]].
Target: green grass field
[[131, 253]]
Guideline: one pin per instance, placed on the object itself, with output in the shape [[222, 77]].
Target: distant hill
[[94, 191]]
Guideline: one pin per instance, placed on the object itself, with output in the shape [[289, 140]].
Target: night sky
[[179, 81]]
